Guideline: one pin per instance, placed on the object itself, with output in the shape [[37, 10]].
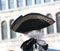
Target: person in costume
[[30, 22]]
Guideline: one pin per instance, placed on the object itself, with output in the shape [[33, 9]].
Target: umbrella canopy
[[52, 50], [31, 21]]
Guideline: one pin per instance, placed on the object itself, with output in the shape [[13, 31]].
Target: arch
[[49, 15], [11, 21], [13, 34], [58, 21], [47, 1], [4, 30], [56, 0], [50, 28], [57, 14]]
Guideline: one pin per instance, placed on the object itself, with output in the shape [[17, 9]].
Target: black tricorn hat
[[31, 21]]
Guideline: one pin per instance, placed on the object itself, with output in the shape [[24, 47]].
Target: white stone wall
[[53, 40]]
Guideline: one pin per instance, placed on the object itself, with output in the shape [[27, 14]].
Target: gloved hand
[[43, 44], [45, 47]]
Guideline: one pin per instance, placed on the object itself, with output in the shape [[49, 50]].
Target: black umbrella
[[31, 21]]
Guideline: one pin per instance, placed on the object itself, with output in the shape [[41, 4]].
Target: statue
[[30, 22]]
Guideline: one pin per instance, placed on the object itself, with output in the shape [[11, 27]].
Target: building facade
[[12, 9]]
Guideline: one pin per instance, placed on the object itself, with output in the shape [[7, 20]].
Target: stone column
[[15, 3], [24, 3], [54, 25], [52, 1], [0, 31], [45, 31], [42, 1], [7, 5], [8, 29], [33, 2]]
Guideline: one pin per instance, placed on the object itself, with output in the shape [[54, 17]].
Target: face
[[37, 34]]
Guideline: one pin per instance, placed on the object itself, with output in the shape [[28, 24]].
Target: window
[[11, 4], [50, 28], [47, 0], [4, 30], [28, 2], [13, 34], [37, 1], [58, 22], [19, 3], [56, 0], [2, 4]]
